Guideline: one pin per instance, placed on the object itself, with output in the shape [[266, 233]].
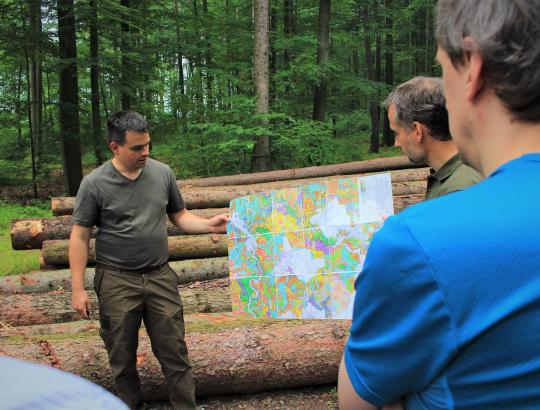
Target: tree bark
[[126, 85], [244, 356], [31, 232], [347, 168], [388, 138], [261, 160], [94, 82], [188, 271], [323, 53], [23, 309], [69, 96], [36, 80], [179, 56], [55, 253], [197, 198]]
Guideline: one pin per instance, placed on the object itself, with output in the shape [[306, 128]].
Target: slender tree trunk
[[18, 108], [94, 82], [104, 99], [36, 79], [323, 53], [260, 160], [388, 138], [374, 109], [69, 96], [196, 68], [208, 58], [287, 28], [180, 64], [126, 85], [28, 98]]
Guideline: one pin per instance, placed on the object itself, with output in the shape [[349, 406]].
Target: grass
[[15, 262]]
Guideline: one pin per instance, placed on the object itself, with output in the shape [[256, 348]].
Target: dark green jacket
[[453, 176]]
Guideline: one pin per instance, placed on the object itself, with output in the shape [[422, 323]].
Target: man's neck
[[508, 143], [439, 152], [500, 138], [128, 173]]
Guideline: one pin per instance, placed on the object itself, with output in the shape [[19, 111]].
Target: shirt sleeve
[[402, 335], [86, 211], [176, 202]]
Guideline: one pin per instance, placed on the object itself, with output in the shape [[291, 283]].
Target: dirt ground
[[311, 398]]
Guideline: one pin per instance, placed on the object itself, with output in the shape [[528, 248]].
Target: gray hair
[[507, 34], [421, 99]]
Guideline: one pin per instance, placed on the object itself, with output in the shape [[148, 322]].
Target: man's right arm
[[78, 258]]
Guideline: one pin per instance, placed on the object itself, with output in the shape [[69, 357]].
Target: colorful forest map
[[296, 252]]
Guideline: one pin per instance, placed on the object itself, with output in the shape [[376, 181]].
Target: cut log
[[348, 168], [24, 309], [189, 270], [55, 253], [243, 356], [30, 233], [221, 197], [86, 326]]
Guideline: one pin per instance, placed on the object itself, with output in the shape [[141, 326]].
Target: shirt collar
[[446, 170]]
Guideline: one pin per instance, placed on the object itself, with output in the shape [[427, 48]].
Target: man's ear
[[419, 131], [114, 147], [474, 63]]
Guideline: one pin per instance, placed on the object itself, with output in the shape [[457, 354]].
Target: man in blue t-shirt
[[447, 308]]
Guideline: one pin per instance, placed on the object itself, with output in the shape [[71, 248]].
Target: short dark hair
[[507, 34], [121, 122], [421, 99]]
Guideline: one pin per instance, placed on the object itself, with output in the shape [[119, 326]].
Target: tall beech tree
[[260, 160]]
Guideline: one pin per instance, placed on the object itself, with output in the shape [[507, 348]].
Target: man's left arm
[[191, 223]]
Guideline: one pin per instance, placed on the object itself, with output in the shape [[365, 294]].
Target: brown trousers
[[151, 295]]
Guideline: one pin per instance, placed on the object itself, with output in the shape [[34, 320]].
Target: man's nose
[[396, 142]]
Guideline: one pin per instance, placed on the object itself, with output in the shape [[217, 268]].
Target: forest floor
[[311, 398]]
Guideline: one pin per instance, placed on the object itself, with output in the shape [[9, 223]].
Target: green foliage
[[15, 262], [208, 127]]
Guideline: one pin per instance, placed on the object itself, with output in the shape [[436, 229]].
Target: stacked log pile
[[228, 354]]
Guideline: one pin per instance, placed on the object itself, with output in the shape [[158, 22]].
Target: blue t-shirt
[[447, 307]]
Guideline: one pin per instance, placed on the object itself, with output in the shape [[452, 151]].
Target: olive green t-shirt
[[453, 176], [129, 214]]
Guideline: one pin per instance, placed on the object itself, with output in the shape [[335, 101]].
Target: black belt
[[139, 271]]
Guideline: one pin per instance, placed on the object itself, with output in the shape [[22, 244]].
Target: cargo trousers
[[127, 297]]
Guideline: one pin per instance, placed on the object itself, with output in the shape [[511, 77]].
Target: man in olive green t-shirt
[[417, 114]]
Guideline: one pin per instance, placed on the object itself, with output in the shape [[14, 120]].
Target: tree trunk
[[244, 356], [323, 53], [126, 84], [374, 109], [287, 29], [198, 198], [36, 80], [188, 271], [208, 58], [27, 57], [69, 96], [261, 160], [180, 64], [31, 232], [25, 309], [55, 253], [94, 82], [388, 137], [347, 168]]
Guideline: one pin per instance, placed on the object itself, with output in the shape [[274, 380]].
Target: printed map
[[295, 253]]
